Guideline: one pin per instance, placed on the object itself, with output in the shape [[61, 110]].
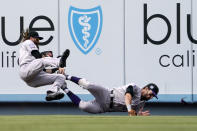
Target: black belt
[[111, 99]]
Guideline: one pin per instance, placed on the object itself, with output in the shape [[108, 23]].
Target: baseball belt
[[111, 99]]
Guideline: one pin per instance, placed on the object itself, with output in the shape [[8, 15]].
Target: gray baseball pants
[[101, 102], [33, 74]]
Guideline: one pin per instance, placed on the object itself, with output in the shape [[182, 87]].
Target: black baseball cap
[[154, 89], [35, 34]]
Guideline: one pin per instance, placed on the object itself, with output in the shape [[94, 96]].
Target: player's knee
[[61, 77], [86, 107], [61, 80], [31, 84], [64, 86], [83, 106], [38, 63]]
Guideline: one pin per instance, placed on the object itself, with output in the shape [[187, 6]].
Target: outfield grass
[[97, 123]]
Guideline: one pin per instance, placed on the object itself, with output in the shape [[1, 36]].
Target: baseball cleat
[[54, 95], [63, 58]]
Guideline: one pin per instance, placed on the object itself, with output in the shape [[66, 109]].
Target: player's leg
[[27, 72], [63, 58], [100, 93], [89, 106], [57, 81], [56, 62]]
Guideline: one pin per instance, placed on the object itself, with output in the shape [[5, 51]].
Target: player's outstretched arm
[[144, 113], [128, 100]]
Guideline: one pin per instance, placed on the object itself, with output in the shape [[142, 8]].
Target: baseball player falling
[[32, 66], [129, 98]]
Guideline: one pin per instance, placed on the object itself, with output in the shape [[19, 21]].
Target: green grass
[[97, 123]]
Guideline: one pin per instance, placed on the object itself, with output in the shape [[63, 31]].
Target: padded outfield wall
[[112, 42]]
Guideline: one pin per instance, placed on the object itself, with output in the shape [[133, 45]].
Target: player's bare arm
[[143, 113], [128, 101]]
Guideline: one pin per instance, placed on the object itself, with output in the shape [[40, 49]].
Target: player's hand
[[132, 113], [144, 113], [61, 71]]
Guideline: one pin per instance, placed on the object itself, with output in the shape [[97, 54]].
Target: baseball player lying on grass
[[129, 98]]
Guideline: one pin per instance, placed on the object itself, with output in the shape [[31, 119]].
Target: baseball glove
[[47, 54]]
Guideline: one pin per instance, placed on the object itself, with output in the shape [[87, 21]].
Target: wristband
[[128, 107]]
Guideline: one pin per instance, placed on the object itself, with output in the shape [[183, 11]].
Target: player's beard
[[144, 98]]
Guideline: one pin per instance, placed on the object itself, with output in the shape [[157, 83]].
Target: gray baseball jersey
[[102, 95], [31, 69], [25, 56], [119, 98]]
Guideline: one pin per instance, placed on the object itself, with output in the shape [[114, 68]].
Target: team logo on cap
[[85, 27]]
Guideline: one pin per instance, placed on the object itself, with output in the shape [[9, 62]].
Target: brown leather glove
[[47, 54]]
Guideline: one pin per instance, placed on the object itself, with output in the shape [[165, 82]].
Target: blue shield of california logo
[[85, 27]]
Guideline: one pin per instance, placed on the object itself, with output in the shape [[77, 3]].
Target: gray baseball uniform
[[104, 98], [31, 69]]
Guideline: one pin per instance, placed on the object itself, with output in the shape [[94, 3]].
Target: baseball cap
[[35, 34], [154, 89]]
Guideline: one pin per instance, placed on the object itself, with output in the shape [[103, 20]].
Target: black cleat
[[54, 95], [63, 58]]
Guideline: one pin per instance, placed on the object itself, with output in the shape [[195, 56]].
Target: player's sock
[[79, 81], [73, 79], [74, 98], [68, 77]]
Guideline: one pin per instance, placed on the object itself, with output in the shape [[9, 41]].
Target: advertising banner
[[94, 32], [159, 47], [112, 43]]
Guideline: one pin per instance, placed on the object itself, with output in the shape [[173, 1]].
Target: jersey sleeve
[[129, 90], [36, 54]]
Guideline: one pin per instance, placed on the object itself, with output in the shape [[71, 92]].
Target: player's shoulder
[[124, 87], [135, 87], [127, 85], [29, 43], [131, 84]]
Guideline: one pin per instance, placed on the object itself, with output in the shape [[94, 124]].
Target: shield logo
[[85, 27]]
